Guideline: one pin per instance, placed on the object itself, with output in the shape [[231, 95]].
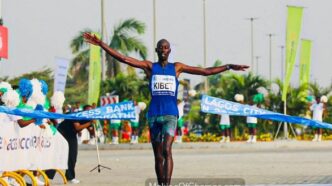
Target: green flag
[[94, 73], [294, 22], [305, 61]]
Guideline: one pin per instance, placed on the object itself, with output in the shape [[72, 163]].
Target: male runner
[[163, 112]]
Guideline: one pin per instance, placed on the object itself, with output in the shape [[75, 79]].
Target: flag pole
[[285, 123]]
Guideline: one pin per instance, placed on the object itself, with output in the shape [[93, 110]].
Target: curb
[[280, 145]]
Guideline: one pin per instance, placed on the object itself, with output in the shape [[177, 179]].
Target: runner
[[163, 112]]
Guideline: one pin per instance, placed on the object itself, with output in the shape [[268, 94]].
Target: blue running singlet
[[164, 90]]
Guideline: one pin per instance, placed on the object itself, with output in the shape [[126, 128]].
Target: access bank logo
[[24, 143]]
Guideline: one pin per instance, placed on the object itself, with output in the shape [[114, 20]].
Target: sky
[[41, 30]]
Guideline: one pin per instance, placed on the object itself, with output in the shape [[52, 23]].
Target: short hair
[[161, 41], [86, 106]]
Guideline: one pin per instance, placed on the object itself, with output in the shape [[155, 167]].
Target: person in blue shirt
[[163, 84]]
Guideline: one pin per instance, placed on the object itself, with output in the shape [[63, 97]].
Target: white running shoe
[[39, 182], [179, 139], [319, 138], [92, 141], [228, 139], [115, 140], [11, 182], [315, 138], [254, 139], [249, 139], [132, 141], [223, 139], [74, 181]]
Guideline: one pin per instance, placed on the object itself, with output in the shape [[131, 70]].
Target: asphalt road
[[262, 163]]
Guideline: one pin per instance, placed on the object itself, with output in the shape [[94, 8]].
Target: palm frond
[[78, 66], [129, 26], [77, 43]]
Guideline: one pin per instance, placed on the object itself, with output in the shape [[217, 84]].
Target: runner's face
[[163, 50]]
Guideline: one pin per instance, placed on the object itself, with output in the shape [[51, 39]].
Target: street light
[[206, 85], [282, 62], [251, 19], [103, 55], [270, 43], [257, 58], [154, 29]]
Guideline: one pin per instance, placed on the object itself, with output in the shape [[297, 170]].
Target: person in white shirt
[[180, 121], [225, 126], [318, 108], [115, 126], [135, 124], [252, 121]]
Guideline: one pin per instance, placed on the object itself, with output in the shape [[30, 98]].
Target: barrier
[[220, 106], [19, 179], [30, 148], [3, 182], [123, 110], [28, 173]]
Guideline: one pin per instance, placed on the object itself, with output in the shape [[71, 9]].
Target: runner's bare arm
[[180, 67], [23, 123], [92, 39], [79, 127]]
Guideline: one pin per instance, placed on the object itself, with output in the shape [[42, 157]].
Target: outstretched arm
[[180, 67], [92, 39], [79, 127], [23, 123]]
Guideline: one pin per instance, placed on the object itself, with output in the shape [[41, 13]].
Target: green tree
[[225, 86], [129, 87], [123, 39]]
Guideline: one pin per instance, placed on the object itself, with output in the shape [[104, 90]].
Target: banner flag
[[31, 147], [305, 61], [60, 76], [214, 105], [294, 22], [94, 73], [124, 110], [3, 42]]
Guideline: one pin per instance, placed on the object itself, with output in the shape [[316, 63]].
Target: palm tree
[[127, 87], [79, 65], [246, 84], [296, 101], [318, 91], [226, 86], [121, 40]]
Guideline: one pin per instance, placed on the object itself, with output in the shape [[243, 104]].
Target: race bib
[[163, 85]]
